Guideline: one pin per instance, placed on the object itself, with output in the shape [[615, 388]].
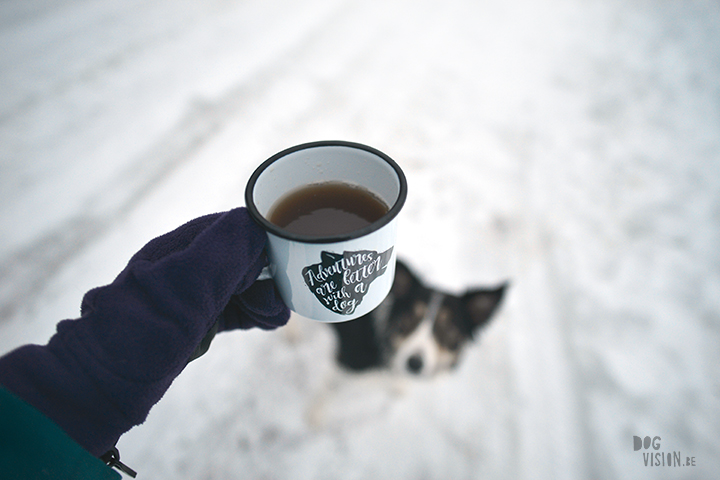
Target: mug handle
[[264, 274]]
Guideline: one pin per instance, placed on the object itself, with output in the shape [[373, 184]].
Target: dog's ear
[[480, 305], [405, 282]]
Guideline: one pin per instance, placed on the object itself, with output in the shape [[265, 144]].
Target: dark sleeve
[[99, 375]]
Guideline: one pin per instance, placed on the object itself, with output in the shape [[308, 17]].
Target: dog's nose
[[415, 363]]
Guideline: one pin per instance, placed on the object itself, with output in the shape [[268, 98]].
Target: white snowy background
[[570, 146]]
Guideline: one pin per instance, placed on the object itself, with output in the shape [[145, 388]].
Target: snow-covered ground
[[571, 146]]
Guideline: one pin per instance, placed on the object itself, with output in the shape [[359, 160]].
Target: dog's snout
[[415, 363]]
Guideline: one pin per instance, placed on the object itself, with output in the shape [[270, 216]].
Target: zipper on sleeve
[[112, 460]]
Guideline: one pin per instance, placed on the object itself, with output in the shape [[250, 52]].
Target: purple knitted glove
[[99, 375]]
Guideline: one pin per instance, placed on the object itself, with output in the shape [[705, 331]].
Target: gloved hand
[[99, 375], [252, 304]]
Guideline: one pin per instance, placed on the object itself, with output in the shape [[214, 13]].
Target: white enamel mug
[[339, 277]]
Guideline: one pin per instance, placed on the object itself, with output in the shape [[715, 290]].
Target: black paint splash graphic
[[340, 281]]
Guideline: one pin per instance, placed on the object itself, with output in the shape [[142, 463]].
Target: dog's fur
[[417, 329]]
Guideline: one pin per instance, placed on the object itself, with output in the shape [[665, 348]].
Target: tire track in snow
[[26, 272]]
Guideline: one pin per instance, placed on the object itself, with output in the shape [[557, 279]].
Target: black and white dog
[[417, 329]]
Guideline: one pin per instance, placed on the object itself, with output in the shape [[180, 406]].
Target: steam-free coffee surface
[[326, 209]]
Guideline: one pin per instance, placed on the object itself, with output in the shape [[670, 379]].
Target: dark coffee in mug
[[326, 209]]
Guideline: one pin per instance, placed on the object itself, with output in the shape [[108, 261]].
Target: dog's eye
[[447, 333], [450, 340], [419, 310], [407, 324]]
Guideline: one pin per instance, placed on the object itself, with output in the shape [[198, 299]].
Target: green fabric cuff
[[33, 446]]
